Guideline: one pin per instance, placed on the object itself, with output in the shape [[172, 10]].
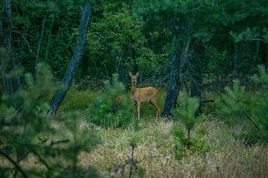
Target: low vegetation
[[229, 142], [219, 155]]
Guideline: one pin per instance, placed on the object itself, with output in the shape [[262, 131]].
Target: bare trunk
[[48, 40], [175, 83], [196, 73], [174, 87], [266, 56], [11, 84], [37, 60], [73, 64]]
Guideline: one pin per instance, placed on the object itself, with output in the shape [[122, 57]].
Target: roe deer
[[139, 95]]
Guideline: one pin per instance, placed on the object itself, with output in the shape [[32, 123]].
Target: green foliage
[[259, 100], [234, 103], [238, 104], [186, 146], [111, 108], [113, 39], [187, 111], [262, 78], [27, 133], [77, 100]]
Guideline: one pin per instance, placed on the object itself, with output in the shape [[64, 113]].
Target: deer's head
[[134, 77]]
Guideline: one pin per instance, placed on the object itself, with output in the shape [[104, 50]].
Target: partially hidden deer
[[139, 95]]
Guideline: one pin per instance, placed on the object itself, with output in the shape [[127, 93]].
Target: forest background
[[69, 51]]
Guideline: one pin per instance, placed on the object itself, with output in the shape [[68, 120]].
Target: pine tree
[[238, 105], [28, 132], [187, 114], [111, 108]]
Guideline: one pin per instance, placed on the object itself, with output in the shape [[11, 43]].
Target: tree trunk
[[266, 57], [73, 64], [49, 39], [37, 60], [196, 75], [175, 83], [11, 84], [174, 87]]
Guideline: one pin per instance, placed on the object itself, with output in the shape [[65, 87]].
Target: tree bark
[[175, 83], [37, 60], [49, 39], [174, 87], [73, 64], [266, 57], [11, 84], [196, 73]]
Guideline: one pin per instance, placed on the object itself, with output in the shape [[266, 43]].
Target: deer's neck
[[133, 88]]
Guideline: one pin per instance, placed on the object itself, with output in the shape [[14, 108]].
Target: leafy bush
[[111, 107], [247, 109]]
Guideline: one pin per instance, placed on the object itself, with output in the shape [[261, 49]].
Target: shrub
[[247, 109], [32, 144], [187, 114], [111, 108]]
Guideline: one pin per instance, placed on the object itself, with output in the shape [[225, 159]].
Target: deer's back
[[144, 94]]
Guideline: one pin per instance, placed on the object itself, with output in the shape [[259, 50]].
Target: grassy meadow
[[147, 149], [221, 153]]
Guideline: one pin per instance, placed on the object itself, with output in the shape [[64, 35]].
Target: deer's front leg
[[138, 105], [135, 109]]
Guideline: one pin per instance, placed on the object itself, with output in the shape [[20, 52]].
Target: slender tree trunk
[[266, 57], [196, 76], [234, 57], [11, 84], [189, 137], [73, 64], [49, 39], [37, 60]]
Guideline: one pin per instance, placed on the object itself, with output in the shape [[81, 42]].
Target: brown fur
[[140, 95]]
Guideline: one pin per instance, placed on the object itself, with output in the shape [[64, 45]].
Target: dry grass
[[226, 158]]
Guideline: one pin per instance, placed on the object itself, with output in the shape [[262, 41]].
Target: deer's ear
[[137, 74], [130, 74]]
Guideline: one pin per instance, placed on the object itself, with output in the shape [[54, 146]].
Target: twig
[[257, 127], [14, 163], [58, 142], [41, 160]]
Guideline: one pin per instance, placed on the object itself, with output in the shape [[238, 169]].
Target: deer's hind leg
[[153, 102]]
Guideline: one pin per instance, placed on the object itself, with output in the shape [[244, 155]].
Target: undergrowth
[[154, 152], [213, 149]]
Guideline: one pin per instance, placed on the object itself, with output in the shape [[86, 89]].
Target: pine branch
[[257, 127], [17, 166]]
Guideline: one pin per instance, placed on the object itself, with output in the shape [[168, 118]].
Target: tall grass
[[154, 152], [227, 156]]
